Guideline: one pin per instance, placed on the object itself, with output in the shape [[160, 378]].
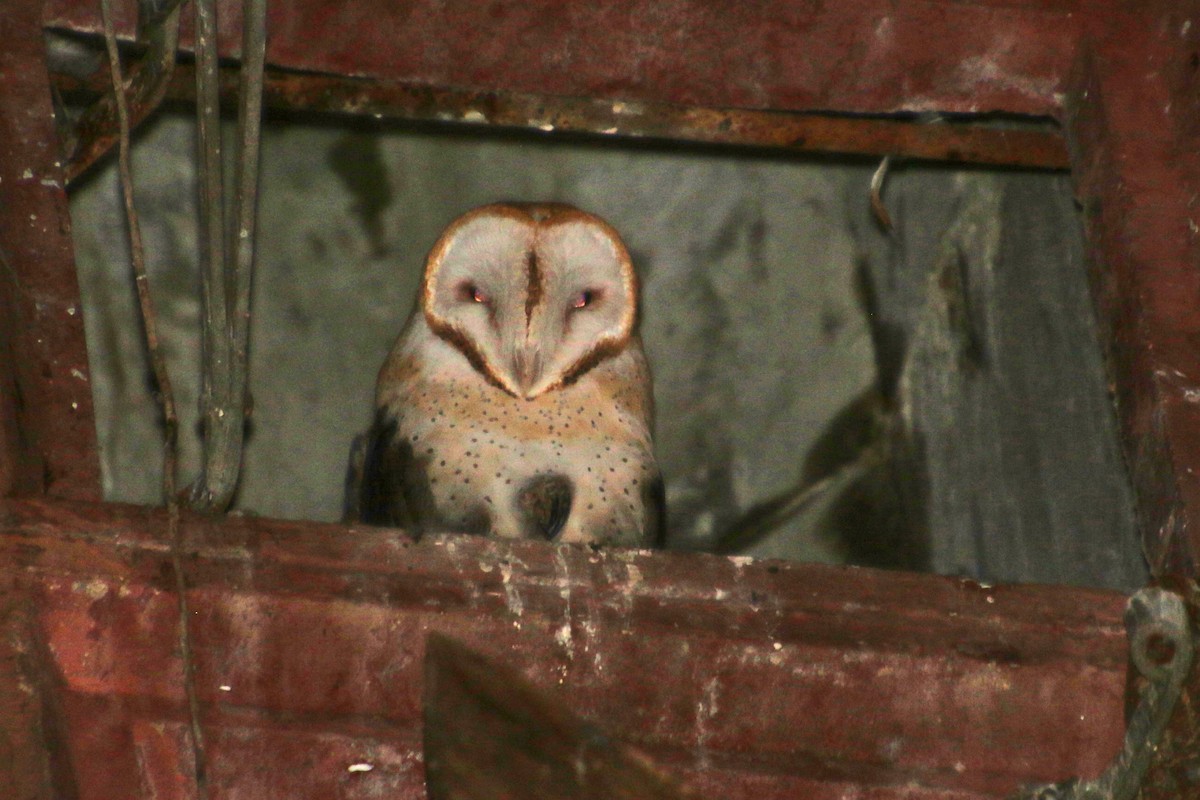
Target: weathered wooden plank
[[863, 56], [1134, 128], [1005, 453], [47, 431], [1135, 142], [32, 765], [751, 678]]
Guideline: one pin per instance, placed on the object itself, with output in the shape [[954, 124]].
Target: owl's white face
[[533, 296]]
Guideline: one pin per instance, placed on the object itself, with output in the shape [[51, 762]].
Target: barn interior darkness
[[945, 377]]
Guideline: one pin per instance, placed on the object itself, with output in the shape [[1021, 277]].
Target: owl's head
[[532, 295]]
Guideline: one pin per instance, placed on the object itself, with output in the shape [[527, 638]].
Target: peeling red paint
[[854, 56], [309, 646], [47, 430]]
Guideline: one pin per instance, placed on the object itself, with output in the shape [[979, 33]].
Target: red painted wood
[[47, 430], [1135, 132], [30, 749], [855, 55], [753, 678], [488, 733], [911, 686]]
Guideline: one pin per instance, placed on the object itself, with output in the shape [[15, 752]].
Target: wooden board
[[748, 678]]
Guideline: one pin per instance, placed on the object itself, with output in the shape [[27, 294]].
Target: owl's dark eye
[[585, 298], [470, 293]]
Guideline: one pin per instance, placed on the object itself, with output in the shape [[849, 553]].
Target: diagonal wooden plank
[[489, 733]]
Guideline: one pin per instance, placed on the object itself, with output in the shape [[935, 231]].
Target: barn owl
[[516, 402]]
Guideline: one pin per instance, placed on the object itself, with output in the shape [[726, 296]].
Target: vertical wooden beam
[[1136, 155], [30, 767], [47, 428], [1134, 129]]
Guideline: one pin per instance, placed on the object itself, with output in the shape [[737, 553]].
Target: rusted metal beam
[[1029, 143], [47, 429], [746, 678]]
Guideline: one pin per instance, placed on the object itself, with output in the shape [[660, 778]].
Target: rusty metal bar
[[813, 132], [805, 132]]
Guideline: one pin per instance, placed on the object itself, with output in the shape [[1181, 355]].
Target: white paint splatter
[[94, 589], [563, 578], [984, 70], [512, 597], [706, 709]]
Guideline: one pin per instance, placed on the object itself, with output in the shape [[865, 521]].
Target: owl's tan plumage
[[516, 402]]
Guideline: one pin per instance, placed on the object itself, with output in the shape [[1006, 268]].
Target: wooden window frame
[[751, 678]]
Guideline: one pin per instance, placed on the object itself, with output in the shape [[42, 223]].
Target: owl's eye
[[585, 298], [470, 293]]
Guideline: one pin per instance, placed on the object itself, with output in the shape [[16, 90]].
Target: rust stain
[[1038, 144]]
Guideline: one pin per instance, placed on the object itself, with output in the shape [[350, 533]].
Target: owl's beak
[[527, 366]]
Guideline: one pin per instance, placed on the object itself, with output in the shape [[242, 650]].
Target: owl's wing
[[352, 490], [654, 498], [383, 479]]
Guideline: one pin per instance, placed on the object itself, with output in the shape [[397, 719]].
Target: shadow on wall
[[787, 335]]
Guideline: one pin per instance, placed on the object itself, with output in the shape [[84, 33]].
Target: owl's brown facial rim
[[533, 297]]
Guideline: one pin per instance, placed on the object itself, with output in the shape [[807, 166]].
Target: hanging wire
[[215, 330], [244, 217], [166, 395], [227, 252]]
